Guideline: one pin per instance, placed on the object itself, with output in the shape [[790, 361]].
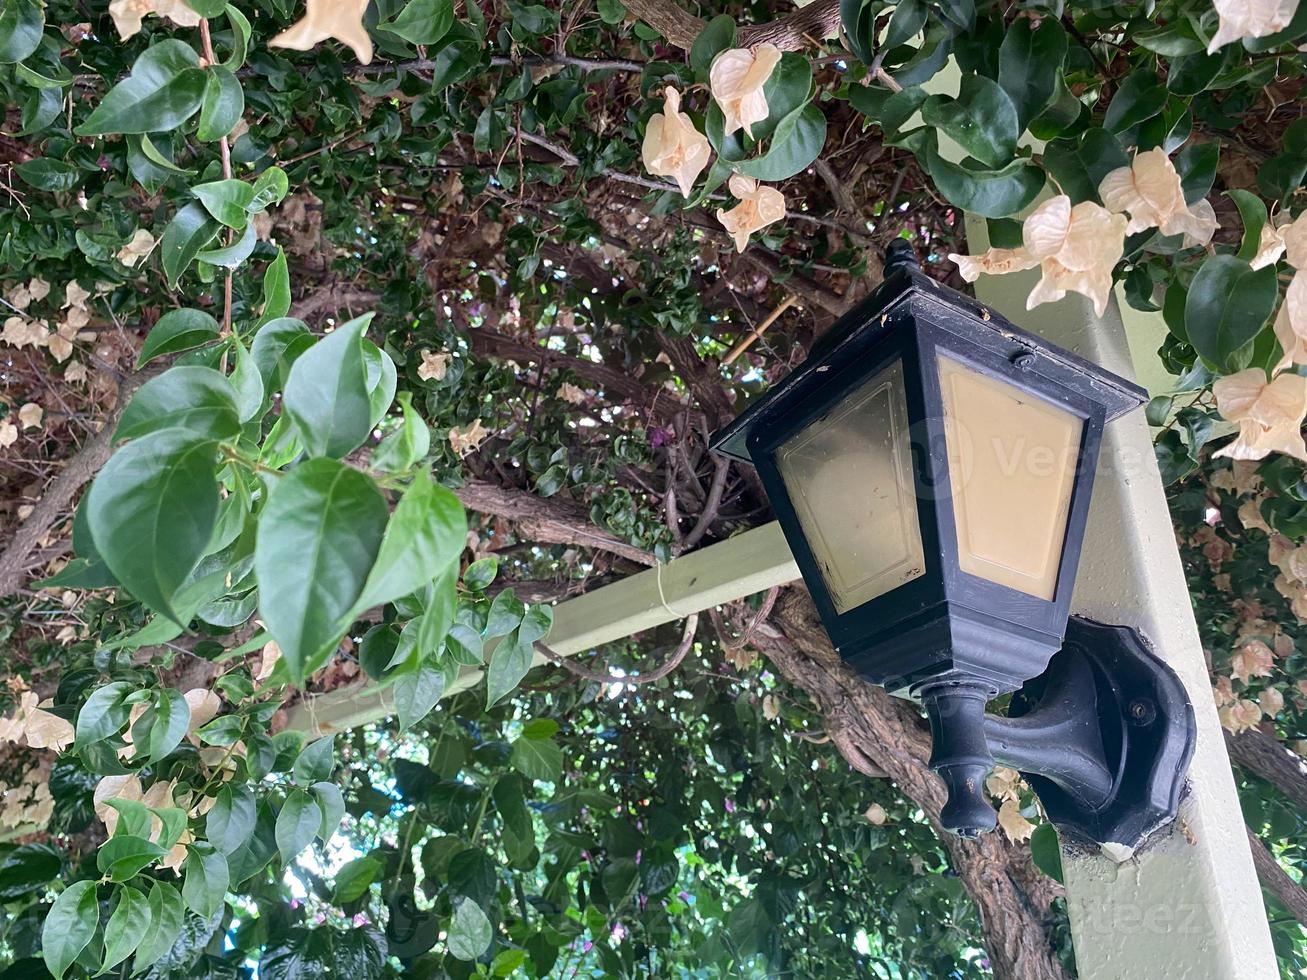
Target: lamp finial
[[900, 252]]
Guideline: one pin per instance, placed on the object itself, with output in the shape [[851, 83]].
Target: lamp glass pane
[[849, 477], [1012, 466]]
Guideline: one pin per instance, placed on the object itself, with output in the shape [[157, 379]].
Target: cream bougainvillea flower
[[1149, 190], [1294, 236], [467, 439], [341, 19], [1075, 248], [40, 728], [204, 706], [128, 14], [1270, 246], [759, 207], [1269, 413], [141, 244], [1250, 18], [1291, 322], [736, 79], [672, 146], [434, 366]]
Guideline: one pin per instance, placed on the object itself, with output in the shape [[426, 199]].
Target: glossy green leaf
[[198, 400], [231, 256], [122, 857], [315, 761], [318, 538], [104, 713], [246, 382], [982, 120], [509, 662], [226, 200], [794, 146], [166, 719], [408, 444], [69, 927], [297, 824], [716, 37], [1252, 210], [167, 913], [182, 240], [22, 23], [423, 538], [276, 290], [164, 89], [421, 21], [230, 821], [1227, 306], [152, 510], [469, 931], [538, 758], [176, 331], [205, 879], [326, 393], [1138, 97], [988, 193], [418, 691], [1030, 64], [222, 104], [128, 925], [49, 175], [332, 804]]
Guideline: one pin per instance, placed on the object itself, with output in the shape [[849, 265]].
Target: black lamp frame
[[949, 638]]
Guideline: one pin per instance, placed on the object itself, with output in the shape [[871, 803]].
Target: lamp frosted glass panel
[[849, 477], [1012, 465]]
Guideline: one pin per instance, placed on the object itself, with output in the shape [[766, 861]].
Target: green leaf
[[716, 37], [122, 857], [417, 692], [69, 927], [326, 394], [222, 104], [481, 573], [177, 330], [49, 175], [318, 538], [1045, 851], [297, 824], [537, 758], [537, 623], [167, 913], [982, 120], [1139, 97], [469, 931], [104, 713], [22, 23], [167, 720], [906, 23], [1196, 165], [794, 145], [315, 761], [332, 804], [421, 21], [276, 290], [127, 926], [408, 444], [152, 512], [246, 383], [182, 240], [164, 89], [269, 189], [424, 537], [1227, 305], [1030, 64], [134, 818], [199, 400], [230, 256], [988, 193], [276, 346], [231, 820], [207, 876], [1253, 212], [226, 200], [509, 663], [505, 615]]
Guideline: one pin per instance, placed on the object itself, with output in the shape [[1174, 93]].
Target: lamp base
[[1104, 736]]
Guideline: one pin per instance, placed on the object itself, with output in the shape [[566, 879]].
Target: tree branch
[[1266, 756], [1277, 880], [547, 520], [793, 32]]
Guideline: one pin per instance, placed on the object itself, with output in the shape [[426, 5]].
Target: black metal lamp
[[931, 465]]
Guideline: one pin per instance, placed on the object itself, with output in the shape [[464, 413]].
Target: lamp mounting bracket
[[1103, 736]]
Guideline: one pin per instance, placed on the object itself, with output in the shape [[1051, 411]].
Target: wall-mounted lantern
[[931, 465]]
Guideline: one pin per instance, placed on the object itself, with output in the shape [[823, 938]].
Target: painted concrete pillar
[[1188, 906]]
